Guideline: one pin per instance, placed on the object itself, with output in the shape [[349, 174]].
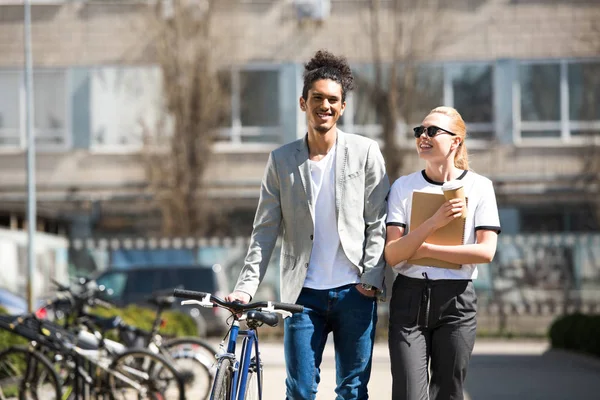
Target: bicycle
[[240, 378], [192, 356], [85, 367]]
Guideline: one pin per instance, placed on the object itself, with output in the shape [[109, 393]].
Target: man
[[328, 192]]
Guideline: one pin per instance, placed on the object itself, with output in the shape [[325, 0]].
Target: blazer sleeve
[[377, 186], [267, 222]]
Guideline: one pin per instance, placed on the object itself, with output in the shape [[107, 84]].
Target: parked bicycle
[[192, 356], [240, 378], [61, 364]]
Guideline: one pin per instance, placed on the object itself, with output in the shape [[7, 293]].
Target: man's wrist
[[367, 286]]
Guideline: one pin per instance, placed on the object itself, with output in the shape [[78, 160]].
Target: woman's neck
[[443, 172]]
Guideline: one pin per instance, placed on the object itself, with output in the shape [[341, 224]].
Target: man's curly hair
[[324, 65]]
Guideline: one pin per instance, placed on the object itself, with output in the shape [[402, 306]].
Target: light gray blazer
[[286, 205]]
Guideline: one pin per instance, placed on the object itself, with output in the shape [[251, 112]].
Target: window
[[126, 104], [50, 107], [472, 93], [427, 94], [114, 284], [540, 88], [259, 98], [50, 111], [10, 128], [362, 114], [255, 115], [559, 100], [584, 98], [416, 98]]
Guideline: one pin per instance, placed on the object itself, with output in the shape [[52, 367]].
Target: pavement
[[511, 369]]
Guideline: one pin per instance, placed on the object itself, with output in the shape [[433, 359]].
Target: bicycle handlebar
[[236, 307]]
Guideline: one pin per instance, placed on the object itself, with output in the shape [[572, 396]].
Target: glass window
[[126, 103], [9, 109], [365, 110], [50, 107], [584, 91], [114, 283], [259, 98], [540, 92], [224, 77], [472, 89], [421, 95]]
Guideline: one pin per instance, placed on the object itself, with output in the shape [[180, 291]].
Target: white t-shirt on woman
[[482, 213]]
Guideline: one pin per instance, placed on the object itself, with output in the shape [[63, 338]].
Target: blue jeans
[[352, 318]]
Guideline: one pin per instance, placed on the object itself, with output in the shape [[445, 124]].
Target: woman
[[432, 310]]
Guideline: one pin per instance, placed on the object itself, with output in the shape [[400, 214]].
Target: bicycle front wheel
[[224, 378], [27, 374], [252, 391], [142, 374]]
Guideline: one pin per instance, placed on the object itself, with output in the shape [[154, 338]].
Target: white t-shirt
[[328, 266], [482, 213]]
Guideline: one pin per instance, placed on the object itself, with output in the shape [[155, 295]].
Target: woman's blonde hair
[[457, 126]]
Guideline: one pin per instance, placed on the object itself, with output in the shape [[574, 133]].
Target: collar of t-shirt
[[318, 169]]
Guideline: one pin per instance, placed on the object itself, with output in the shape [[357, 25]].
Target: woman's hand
[[449, 211]]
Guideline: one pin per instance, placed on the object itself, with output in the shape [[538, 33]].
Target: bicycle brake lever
[[204, 303]]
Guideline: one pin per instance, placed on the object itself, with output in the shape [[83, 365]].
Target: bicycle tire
[[199, 346], [158, 376], [27, 374], [195, 359], [223, 379], [252, 392]]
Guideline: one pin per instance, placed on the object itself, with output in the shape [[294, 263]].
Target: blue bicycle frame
[[240, 376]]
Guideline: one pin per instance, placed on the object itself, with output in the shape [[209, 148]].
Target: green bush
[[177, 323], [577, 332], [8, 338]]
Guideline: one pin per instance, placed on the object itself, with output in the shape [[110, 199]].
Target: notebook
[[424, 205]]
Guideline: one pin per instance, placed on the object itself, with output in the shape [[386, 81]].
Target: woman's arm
[[478, 253], [399, 248]]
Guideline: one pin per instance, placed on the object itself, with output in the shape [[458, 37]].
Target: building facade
[[525, 74]]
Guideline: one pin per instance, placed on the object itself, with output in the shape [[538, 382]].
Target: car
[[135, 285], [13, 304]]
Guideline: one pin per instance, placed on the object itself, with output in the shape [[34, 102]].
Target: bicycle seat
[[268, 318], [162, 301]]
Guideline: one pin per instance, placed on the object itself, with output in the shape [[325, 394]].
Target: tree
[[403, 33], [589, 111], [195, 103]]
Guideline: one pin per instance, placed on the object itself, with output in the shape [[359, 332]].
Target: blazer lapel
[[304, 170], [340, 170]]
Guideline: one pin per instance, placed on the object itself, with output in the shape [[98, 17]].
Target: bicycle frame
[[266, 314], [240, 376]]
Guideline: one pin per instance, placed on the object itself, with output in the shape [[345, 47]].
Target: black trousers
[[432, 328]]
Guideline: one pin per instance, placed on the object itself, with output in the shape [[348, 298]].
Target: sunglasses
[[430, 130]]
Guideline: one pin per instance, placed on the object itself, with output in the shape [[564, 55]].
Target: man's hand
[[242, 297], [365, 292]]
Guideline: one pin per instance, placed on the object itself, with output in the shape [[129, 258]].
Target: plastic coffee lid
[[452, 185]]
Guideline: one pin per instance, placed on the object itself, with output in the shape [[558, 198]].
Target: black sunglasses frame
[[431, 131]]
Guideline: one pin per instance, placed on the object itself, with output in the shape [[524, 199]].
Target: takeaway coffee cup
[[453, 190]]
